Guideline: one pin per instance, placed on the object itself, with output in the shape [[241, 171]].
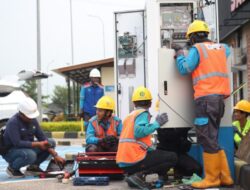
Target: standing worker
[[90, 93], [104, 129], [135, 154], [207, 63], [241, 121]]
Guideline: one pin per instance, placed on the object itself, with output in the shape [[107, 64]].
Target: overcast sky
[[18, 33]]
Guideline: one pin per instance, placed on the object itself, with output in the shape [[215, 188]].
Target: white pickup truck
[[8, 104], [11, 95]]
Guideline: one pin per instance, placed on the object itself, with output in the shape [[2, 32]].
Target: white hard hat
[[29, 108], [95, 73]]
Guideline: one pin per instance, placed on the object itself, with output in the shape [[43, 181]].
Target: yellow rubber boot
[[225, 175], [211, 164]]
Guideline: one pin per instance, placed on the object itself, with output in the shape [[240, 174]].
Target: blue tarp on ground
[[62, 150]]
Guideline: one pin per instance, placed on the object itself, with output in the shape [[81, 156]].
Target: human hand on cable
[[59, 161], [162, 119], [178, 50]]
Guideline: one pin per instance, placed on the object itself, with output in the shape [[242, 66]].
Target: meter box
[[175, 19]]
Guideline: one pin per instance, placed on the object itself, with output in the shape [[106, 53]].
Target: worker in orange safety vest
[[206, 62], [104, 128], [135, 154]]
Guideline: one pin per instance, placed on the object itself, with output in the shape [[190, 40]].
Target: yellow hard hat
[[197, 26], [243, 105], [141, 93], [106, 102]]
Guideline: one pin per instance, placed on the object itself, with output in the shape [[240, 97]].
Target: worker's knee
[[170, 157], [29, 156]]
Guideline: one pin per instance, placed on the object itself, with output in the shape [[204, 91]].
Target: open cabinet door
[[130, 68]]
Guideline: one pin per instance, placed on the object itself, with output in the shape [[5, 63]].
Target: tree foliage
[[59, 96]]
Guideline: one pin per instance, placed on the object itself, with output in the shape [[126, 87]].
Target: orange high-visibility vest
[[130, 149], [211, 75], [101, 133]]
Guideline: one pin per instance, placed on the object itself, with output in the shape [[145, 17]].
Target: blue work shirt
[[20, 134], [91, 134], [188, 64], [142, 129], [89, 95]]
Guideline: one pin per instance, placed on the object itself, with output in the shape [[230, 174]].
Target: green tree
[[30, 88], [59, 96]]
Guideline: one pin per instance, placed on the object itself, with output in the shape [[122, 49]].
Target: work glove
[[103, 143], [162, 119], [178, 50], [111, 140]]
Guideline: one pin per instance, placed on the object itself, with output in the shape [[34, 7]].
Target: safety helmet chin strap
[[198, 37]]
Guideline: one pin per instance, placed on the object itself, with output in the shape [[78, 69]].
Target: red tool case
[[99, 164]]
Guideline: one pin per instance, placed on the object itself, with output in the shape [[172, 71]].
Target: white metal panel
[[130, 75], [179, 91], [153, 44]]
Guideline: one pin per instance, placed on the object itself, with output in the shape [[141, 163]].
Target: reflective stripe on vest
[[134, 141], [211, 75], [214, 74], [132, 150]]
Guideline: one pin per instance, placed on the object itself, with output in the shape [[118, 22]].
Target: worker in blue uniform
[[90, 93]]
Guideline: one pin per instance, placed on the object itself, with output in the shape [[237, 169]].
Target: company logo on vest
[[235, 4]]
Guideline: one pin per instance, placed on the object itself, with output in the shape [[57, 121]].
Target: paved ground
[[31, 183]]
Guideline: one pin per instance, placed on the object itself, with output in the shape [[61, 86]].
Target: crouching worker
[[103, 129], [135, 154], [19, 135]]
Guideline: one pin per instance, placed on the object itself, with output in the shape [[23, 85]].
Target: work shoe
[[212, 172], [14, 173], [33, 170], [225, 175], [136, 181]]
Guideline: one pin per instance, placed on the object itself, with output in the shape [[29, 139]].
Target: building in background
[[77, 75], [234, 29]]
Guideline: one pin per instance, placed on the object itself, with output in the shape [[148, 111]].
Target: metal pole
[[69, 96], [71, 33], [72, 53], [103, 32], [39, 83], [217, 21], [48, 65]]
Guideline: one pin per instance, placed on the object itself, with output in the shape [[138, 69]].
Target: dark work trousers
[[211, 107], [186, 165], [156, 161], [176, 140]]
